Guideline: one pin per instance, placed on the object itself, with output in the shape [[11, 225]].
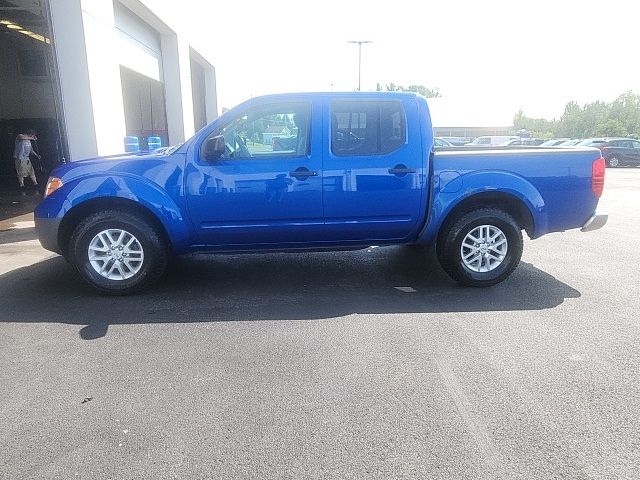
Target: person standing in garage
[[21, 154]]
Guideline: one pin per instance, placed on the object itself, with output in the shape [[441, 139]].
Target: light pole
[[359, 42]]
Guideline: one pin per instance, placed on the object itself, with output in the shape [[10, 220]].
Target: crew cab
[[358, 169]]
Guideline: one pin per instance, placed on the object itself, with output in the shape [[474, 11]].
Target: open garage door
[[29, 97]]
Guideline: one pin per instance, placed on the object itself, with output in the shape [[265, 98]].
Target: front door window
[[280, 130]]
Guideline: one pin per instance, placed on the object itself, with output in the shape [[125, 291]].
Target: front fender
[[156, 200], [445, 198]]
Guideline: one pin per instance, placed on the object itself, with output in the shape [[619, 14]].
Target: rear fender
[[445, 199]]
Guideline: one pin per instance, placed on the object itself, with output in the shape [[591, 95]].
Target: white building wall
[[177, 92], [104, 75], [69, 44], [138, 45], [211, 93], [90, 49]]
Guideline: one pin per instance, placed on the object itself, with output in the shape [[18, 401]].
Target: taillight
[[597, 176]]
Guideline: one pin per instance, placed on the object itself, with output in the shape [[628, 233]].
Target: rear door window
[[367, 128]]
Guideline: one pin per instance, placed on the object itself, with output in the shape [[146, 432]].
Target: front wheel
[[614, 162], [117, 252], [481, 248]]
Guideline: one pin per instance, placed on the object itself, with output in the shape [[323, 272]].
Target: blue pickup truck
[[357, 169]]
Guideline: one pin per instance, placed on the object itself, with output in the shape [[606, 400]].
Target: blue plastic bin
[[154, 143], [131, 144]]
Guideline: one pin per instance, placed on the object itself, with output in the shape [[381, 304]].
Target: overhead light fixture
[[14, 26], [36, 36]]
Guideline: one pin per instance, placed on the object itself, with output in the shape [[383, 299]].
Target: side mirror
[[214, 148]]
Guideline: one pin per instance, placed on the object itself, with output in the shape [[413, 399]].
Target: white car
[[492, 140], [441, 142]]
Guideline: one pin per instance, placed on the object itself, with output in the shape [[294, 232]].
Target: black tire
[[450, 241], [614, 162], [152, 243], [415, 247]]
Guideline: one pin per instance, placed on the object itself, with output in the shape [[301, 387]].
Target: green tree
[[424, 91], [596, 119], [594, 115], [539, 127], [611, 128], [626, 109], [421, 89], [570, 122]]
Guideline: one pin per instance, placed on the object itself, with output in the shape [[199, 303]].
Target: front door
[[374, 169], [267, 186]]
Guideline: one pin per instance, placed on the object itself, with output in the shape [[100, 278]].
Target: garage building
[[86, 73]]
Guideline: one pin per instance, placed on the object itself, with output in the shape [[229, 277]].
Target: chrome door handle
[[302, 173], [401, 170]]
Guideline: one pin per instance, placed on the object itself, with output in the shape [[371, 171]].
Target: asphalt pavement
[[369, 364]]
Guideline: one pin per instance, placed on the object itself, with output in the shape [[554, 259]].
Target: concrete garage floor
[[343, 365]]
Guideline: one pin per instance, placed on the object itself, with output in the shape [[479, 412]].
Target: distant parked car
[[441, 142], [530, 142], [620, 152], [457, 141], [570, 143], [593, 142], [554, 142], [491, 140]]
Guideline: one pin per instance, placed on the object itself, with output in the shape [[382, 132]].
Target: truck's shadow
[[310, 286]]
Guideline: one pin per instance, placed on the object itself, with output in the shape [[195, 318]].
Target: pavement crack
[[477, 429]]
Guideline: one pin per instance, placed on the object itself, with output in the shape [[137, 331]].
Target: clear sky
[[534, 55]]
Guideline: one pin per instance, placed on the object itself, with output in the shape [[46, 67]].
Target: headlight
[[53, 184]]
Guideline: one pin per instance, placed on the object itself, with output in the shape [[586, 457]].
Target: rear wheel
[[481, 248], [614, 162], [117, 252]]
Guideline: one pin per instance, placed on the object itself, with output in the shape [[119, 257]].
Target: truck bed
[[561, 177]]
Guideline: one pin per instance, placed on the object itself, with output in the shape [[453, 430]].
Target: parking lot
[[329, 365]]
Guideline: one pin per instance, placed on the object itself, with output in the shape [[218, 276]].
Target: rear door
[[373, 168], [625, 149], [635, 152], [267, 187]]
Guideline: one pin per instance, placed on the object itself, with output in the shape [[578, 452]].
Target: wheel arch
[[80, 211], [505, 201]]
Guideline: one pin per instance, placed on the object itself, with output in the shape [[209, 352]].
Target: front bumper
[[47, 230], [597, 221]]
